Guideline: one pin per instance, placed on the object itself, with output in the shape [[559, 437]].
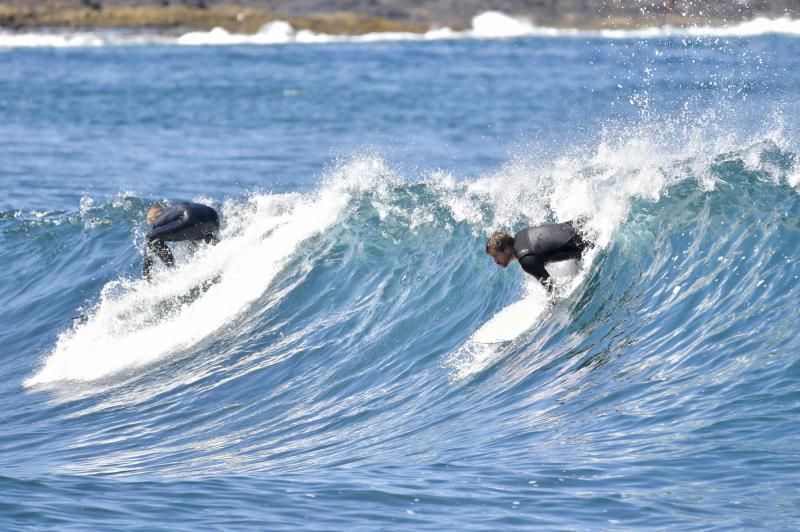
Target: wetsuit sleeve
[[532, 266], [160, 249]]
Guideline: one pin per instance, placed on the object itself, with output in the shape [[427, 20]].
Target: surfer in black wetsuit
[[534, 247], [194, 222]]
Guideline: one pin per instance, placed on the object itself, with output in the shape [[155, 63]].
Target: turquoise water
[[315, 370]]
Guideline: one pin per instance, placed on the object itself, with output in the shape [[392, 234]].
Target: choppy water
[[315, 370]]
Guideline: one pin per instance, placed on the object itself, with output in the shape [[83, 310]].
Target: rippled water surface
[[316, 370]]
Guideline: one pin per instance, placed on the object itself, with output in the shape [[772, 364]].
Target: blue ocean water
[[316, 369]]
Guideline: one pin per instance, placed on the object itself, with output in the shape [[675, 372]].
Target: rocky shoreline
[[356, 17], [235, 19]]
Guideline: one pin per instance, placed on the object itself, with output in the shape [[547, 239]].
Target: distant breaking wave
[[488, 25]]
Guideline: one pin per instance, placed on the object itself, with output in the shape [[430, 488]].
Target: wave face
[[317, 368], [332, 330]]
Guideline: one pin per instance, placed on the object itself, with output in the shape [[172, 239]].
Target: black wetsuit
[[183, 221], [536, 246]]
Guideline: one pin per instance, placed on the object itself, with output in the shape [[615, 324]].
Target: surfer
[[192, 222], [534, 247]]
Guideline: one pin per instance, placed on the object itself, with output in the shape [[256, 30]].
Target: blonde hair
[[499, 242], [154, 210]]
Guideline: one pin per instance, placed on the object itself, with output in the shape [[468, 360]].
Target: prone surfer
[[535, 247], [192, 222]]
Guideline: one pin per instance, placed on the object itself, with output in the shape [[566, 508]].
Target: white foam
[[493, 24], [281, 32], [794, 178], [80, 39], [47, 40], [487, 25], [751, 28], [127, 330], [596, 184]]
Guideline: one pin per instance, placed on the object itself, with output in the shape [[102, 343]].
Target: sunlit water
[[317, 369]]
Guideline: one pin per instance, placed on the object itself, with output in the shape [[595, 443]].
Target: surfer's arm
[[154, 245], [532, 266]]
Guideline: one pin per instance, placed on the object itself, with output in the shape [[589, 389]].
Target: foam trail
[[128, 330]]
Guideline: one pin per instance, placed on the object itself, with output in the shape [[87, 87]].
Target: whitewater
[[318, 368], [487, 25]]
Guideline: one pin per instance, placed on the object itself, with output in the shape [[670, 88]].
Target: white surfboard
[[519, 317], [512, 321]]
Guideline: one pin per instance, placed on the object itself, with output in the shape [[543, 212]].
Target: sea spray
[[136, 323]]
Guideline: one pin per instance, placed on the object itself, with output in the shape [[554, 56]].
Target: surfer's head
[[500, 247], [154, 210]]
